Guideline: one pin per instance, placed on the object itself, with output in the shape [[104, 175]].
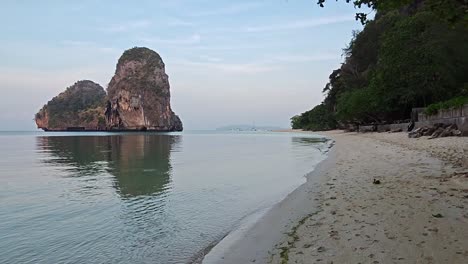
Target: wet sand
[[417, 214]]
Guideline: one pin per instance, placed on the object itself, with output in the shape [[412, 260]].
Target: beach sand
[[417, 214]]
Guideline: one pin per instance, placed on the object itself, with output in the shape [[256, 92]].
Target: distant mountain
[[248, 128]]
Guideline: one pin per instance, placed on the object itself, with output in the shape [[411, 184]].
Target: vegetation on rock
[[80, 105], [141, 54]]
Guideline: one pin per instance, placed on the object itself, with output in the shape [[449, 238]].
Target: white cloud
[[193, 39], [128, 26], [300, 24]]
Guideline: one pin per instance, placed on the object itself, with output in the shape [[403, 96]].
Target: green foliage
[[101, 121], [378, 5], [143, 77], [72, 106], [319, 118], [451, 11], [421, 60], [415, 53], [141, 54], [455, 102], [359, 105]]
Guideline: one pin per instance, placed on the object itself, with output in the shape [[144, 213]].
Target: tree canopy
[[449, 10], [413, 54]]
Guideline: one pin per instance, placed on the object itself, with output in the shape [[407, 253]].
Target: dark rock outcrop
[[139, 96], [435, 131], [79, 107]]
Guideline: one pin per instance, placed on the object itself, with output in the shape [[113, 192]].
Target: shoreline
[[418, 213], [254, 240]]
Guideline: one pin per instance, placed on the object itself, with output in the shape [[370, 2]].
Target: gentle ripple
[[139, 198]]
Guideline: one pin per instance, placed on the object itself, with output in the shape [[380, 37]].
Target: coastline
[[417, 215], [253, 241]]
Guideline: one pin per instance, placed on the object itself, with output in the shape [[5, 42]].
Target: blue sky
[[229, 62]]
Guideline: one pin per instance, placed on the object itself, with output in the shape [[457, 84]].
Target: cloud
[[128, 26], [300, 24], [229, 10], [193, 39]]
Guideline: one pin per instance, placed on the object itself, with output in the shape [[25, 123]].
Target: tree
[[414, 53], [448, 10], [318, 118], [378, 5]]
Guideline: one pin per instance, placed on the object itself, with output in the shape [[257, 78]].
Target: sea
[[95, 197]]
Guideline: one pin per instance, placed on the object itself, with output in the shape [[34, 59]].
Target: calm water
[[138, 198]]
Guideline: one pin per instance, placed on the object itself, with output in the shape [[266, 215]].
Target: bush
[[319, 118], [459, 101]]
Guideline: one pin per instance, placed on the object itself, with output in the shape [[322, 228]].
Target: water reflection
[[140, 163], [307, 141], [318, 143]]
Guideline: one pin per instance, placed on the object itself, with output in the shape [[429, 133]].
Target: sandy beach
[[417, 214]]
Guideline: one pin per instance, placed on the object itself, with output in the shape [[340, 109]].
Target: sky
[[229, 62]]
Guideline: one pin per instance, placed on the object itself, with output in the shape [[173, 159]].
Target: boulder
[[457, 133], [437, 132], [429, 131]]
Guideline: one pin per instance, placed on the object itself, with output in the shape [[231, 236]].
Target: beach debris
[[321, 249], [438, 215], [411, 126], [375, 181]]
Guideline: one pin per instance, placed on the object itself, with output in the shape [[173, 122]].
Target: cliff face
[[79, 107], [139, 96]]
